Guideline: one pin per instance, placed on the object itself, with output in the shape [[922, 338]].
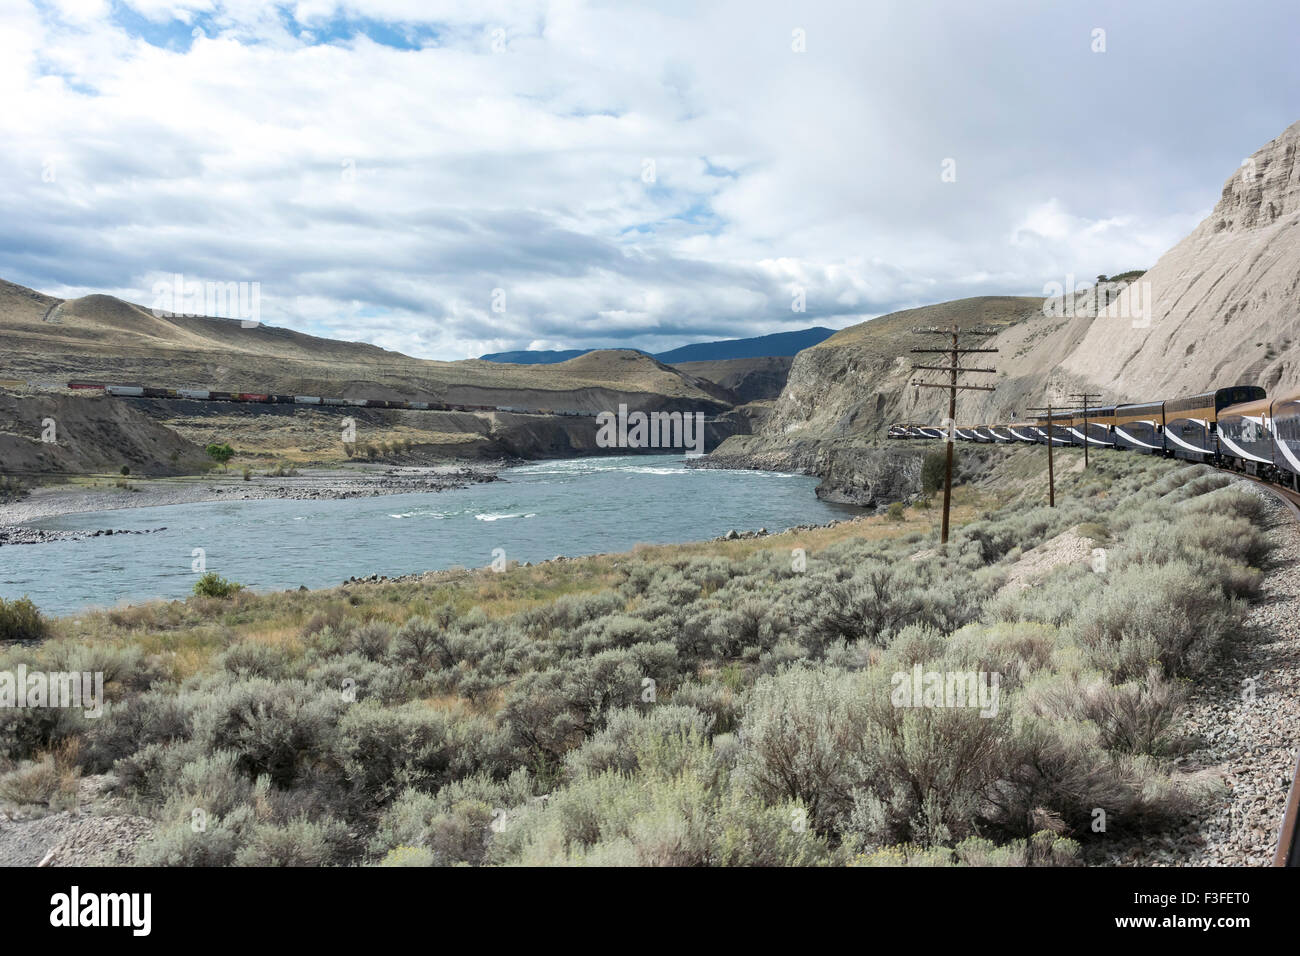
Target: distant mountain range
[[776, 345]]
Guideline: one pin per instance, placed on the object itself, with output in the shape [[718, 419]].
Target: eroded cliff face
[[855, 384], [1220, 308], [844, 393], [1225, 302]]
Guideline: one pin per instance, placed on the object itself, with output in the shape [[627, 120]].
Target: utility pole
[[953, 368], [1087, 398], [1051, 472]]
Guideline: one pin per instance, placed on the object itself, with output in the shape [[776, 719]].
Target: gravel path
[[1250, 744], [98, 833], [1068, 547]]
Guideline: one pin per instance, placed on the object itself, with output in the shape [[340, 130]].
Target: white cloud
[[382, 192]]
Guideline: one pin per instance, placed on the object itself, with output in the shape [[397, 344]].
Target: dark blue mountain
[[762, 346], [526, 357], [776, 345]]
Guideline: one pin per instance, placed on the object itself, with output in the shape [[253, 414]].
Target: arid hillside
[[1220, 308], [1225, 302], [749, 379], [843, 393], [847, 386], [62, 434], [46, 339]]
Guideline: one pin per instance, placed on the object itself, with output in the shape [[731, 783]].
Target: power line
[[953, 368], [1087, 398], [1051, 472]]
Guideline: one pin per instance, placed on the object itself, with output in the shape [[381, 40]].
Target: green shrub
[[27, 731], [37, 782], [802, 730], [631, 735], [257, 659], [934, 469], [1135, 717], [153, 717], [372, 639], [179, 844], [20, 620], [299, 842], [408, 856], [456, 824], [383, 751], [277, 728], [1165, 614], [213, 585], [422, 644]]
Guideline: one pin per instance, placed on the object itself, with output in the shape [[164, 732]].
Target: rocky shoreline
[[869, 476], [20, 535], [50, 501]]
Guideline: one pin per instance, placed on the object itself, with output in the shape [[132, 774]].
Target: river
[[540, 510]]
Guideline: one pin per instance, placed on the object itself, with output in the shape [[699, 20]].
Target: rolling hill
[[51, 340]]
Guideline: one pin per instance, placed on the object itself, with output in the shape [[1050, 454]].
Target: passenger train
[[1238, 427]]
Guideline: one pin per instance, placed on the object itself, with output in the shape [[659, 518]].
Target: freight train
[[1238, 427], [268, 398]]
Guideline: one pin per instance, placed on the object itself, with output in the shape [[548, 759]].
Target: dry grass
[[50, 780]]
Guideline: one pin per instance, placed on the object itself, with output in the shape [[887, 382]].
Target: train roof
[[1217, 399], [1261, 407], [1139, 407]]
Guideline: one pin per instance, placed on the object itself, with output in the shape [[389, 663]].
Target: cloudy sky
[[454, 178]]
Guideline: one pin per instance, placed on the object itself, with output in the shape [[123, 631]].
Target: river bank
[[868, 476], [361, 481]]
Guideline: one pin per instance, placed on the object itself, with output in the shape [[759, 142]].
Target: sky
[[453, 178]]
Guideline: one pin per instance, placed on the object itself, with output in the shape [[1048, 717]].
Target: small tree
[[220, 453], [933, 468]]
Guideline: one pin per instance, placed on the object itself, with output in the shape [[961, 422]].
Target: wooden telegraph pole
[[1088, 398], [953, 368], [1051, 472]]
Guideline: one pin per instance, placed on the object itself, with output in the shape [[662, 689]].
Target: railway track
[[1288, 837], [1287, 852]]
